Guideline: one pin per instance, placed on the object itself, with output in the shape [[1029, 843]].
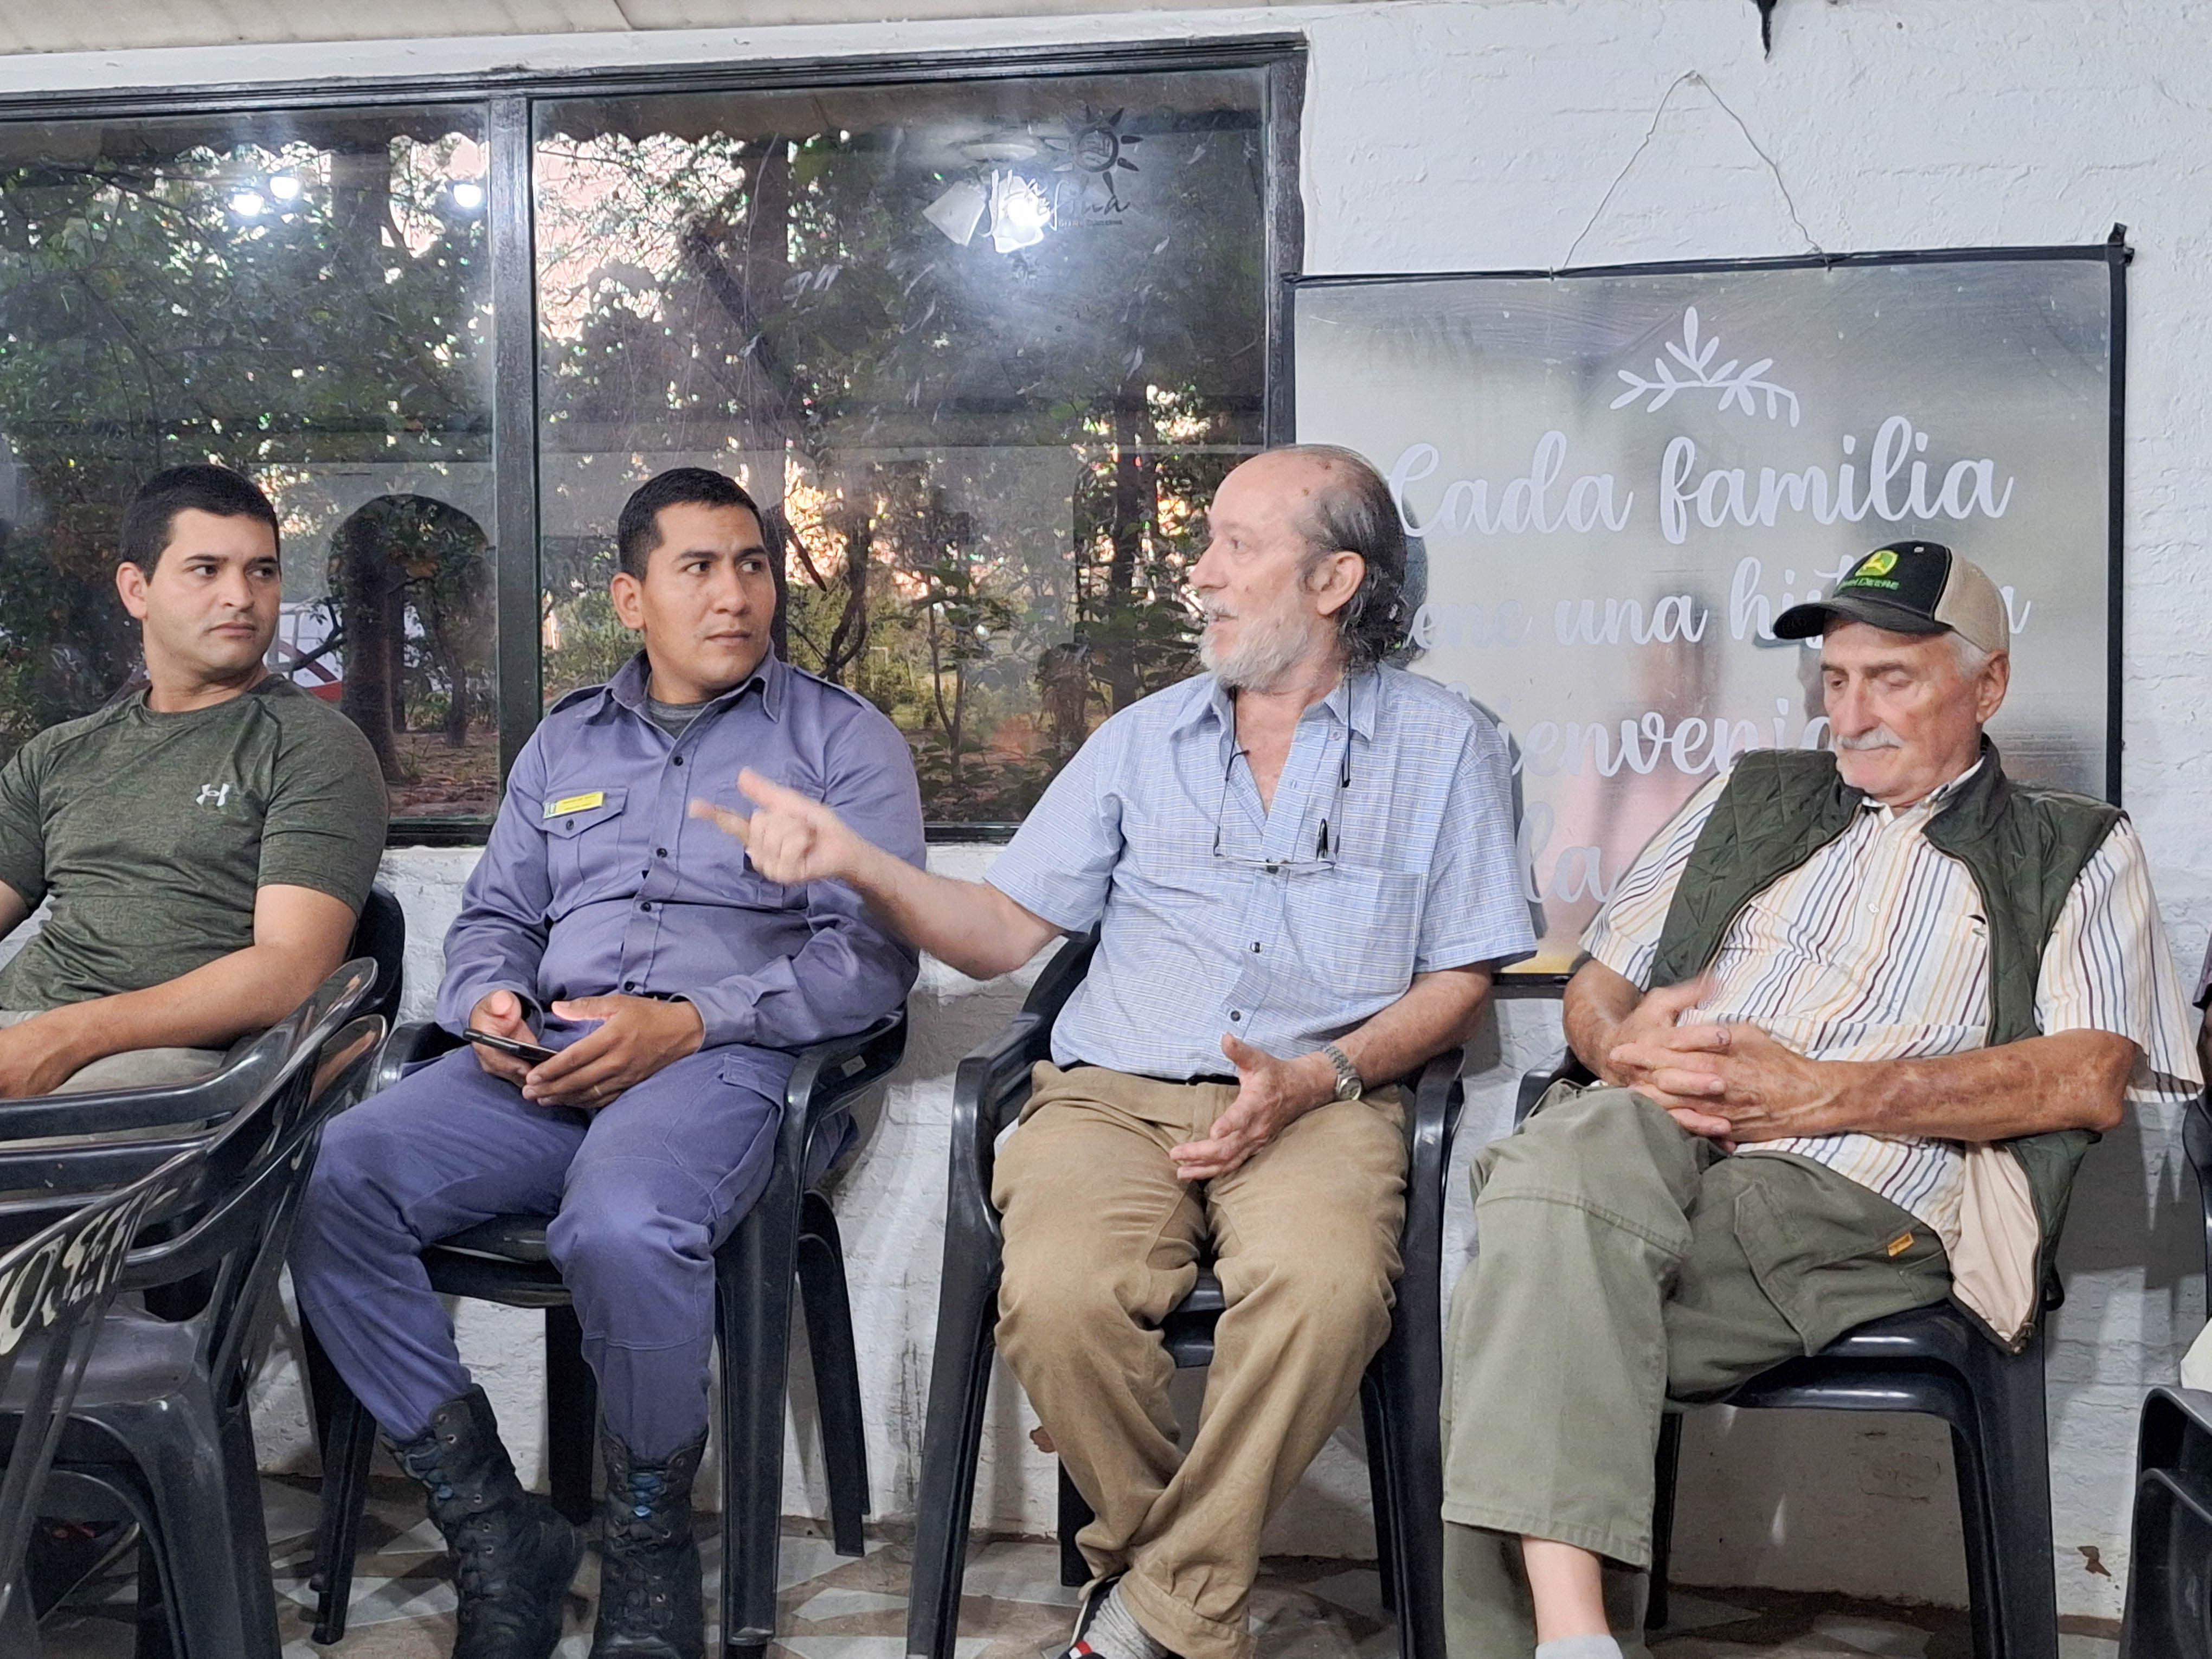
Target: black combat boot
[[513, 1554], [649, 1598]]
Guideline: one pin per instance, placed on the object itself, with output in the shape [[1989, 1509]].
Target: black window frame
[[508, 98]]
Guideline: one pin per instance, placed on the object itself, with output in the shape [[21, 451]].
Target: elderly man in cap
[[1855, 1016]]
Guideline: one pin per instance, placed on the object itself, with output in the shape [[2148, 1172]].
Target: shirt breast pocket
[[1356, 930], [583, 844]]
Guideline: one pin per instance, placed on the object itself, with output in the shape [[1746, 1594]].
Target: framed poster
[[1616, 478]]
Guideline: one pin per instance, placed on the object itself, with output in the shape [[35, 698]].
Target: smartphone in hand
[[529, 1051]]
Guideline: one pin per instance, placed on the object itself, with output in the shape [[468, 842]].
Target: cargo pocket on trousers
[[1790, 1270]]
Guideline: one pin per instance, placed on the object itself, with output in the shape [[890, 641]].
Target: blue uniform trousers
[[641, 1192]]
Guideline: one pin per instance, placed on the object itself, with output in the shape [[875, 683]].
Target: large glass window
[[303, 297], [982, 348], [981, 343]]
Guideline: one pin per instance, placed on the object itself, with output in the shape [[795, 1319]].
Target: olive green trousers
[[1621, 1262]]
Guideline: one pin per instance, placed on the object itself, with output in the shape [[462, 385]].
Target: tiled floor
[[838, 1608]]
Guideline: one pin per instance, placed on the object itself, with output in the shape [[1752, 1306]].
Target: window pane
[[983, 349], [304, 298]]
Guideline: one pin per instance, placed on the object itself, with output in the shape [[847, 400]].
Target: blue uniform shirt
[[596, 882], [1217, 914]]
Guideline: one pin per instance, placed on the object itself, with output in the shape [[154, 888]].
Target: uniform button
[[629, 985], [679, 761], [647, 907], [660, 852], [1233, 1014]]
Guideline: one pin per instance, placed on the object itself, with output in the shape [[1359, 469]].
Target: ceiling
[[40, 25]]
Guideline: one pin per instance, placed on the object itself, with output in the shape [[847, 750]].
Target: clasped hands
[[1731, 1083]]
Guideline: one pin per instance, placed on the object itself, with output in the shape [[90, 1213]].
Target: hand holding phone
[[506, 1046]]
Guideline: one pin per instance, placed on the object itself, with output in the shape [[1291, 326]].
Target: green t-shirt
[[151, 834]]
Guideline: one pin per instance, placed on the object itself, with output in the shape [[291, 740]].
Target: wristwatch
[[1350, 1085]]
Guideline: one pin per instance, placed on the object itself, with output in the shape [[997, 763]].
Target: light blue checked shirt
[[1420, 872]]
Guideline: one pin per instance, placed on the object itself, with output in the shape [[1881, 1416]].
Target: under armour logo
[[215, 794]]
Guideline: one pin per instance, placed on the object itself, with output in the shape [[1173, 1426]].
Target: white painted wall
[[1495, 133]]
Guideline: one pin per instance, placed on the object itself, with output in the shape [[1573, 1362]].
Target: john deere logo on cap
[[1873, 572]]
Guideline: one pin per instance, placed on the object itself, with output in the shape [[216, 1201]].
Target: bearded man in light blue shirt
[[1301, 867]]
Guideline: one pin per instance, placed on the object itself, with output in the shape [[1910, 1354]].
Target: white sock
[[1116, 1633], [1579, 1647]]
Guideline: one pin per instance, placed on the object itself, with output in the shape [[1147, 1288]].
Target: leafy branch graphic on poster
[[1617, 479]]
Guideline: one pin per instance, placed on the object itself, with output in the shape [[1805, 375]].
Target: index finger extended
[[724, 820]]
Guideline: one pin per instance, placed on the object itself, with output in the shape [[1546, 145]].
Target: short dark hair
[[637, 532], [1354, 512], [152, 514]]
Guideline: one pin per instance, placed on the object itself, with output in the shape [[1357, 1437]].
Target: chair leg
[[753, 1277], [952, 1438], [1665, 1467], [1380, 1502], [2000, 1441], [351, 1442], [836, 1373], [1075, 1514], [572, 1412]]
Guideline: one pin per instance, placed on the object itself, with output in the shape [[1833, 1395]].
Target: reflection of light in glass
[[284, 187], [468, 196], [248, 204], [958, 211], [1020, 212]]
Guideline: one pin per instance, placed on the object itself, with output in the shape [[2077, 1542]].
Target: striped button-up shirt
[[1388, 851], [1875, 948]]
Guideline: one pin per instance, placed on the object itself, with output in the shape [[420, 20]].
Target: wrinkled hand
[[1271, 1095], [38, 1056], [636, 1036], [1654, 1034], [1755, 1088], [790, 838], [500, 1014]]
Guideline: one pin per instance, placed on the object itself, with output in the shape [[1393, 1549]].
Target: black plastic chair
[[2169, 1610], [55, 1287], [160, 1432], [1399, 1395], [1932, 1362], [790, 1232], [380, 934]]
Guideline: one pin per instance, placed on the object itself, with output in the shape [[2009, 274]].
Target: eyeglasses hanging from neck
[[1328, 846]]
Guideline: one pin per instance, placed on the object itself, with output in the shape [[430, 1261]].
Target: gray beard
[[1270, 650]]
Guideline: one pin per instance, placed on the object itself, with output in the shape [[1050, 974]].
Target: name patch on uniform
[[1901, 1244], [568, 803]]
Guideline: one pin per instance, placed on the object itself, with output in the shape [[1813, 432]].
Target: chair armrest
[[829, 1075], [203, 1101], [994, 1081], [1562, 1067], [410, 1044]]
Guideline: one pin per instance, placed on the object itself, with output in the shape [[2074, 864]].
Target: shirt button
[[1233, 1014], [629, 985], [647, 907], [677, 761], [660, 852], [1256, 945]]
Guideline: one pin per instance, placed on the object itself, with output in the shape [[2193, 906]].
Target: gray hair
[[1354, 512], [1972, 657]]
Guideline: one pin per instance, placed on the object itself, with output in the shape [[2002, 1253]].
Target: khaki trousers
[[1102, 1240], [1620, 1262], [140, 1069]]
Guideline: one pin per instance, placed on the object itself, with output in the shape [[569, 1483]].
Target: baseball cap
[[1909, 587]]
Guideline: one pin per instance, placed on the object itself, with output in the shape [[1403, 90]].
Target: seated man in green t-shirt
[[204, 843]]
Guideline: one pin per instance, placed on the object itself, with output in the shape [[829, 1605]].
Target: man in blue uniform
[[674, 981]]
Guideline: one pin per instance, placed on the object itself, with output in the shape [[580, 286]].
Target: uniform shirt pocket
[[583, 830]]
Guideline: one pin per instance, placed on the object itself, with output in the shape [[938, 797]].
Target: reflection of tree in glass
[[403, 553], [179, 291], [987, 466]]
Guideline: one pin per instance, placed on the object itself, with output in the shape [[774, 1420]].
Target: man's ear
[[628, 595], [1335, 578], [130, 587], [1996, 681]]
